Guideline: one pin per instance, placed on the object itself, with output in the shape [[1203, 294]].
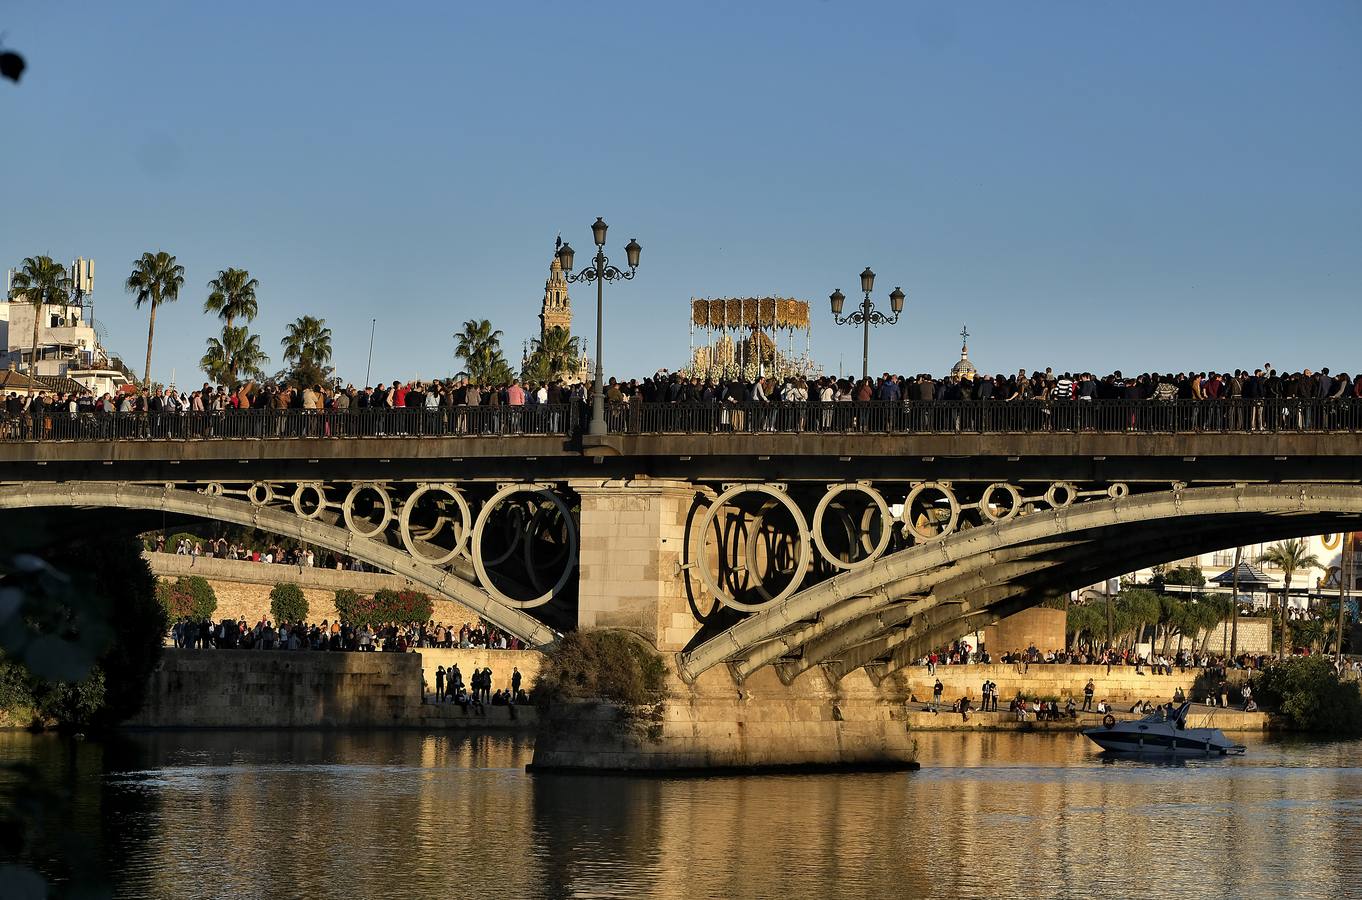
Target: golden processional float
[[740, 337]]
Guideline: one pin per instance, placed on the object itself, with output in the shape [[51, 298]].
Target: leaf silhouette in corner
[[11, 65]]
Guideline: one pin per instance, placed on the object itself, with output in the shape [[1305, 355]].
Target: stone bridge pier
[[637, 553]]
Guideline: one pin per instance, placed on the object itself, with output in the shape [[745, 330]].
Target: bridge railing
[[285, 424], [992, 417], [568, 419]]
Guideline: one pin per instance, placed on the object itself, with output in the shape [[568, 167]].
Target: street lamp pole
[[867, 314], [600, 271]]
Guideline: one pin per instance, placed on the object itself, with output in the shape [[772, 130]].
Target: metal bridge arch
[[285, 524], [856, 607]]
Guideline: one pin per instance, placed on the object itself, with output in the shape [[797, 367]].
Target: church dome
[[964, 368]]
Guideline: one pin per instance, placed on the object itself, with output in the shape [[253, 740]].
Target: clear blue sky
[[1088, 185]]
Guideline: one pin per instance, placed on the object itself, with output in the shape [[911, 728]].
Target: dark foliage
[[188, 596], [124, 583], [1309, 693], [614, 666]]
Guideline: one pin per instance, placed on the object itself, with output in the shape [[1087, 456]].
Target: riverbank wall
[[278, 689], [1047, 681]]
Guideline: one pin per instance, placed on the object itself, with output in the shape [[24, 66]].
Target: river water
[[355, 815]]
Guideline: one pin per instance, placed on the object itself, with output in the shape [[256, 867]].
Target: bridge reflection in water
[[407, 815]]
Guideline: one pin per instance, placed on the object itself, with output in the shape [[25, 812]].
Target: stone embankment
[[1046, 681], [304, 689]]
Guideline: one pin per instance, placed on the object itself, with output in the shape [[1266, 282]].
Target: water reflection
[[318, 814]]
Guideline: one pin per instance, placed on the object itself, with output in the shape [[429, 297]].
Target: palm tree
[[554, 353], [39, 281], [1290, 557], [232, 296], [479, 346], [157, 278], [1234, 605], [307, 347], [237, 354]]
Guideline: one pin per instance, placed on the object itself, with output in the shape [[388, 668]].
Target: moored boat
[[1162, 733]]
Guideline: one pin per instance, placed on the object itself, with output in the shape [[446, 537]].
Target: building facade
[[68, 348], [1340, 555]]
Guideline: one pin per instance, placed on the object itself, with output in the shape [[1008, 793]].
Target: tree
[[155, 278], [554, 353], [479, 346], [288, 603], [234, 358], [190, 596], [1311, 695], [1290, 556], [232, 296], [39, 281], [1187, 576], [307, 350], [1139, 607]]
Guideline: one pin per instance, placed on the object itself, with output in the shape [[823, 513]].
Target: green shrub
[[189, 595], [383, 607], [1308, 692], [288, 603], [615, 666], [348, 605], [174, 540]]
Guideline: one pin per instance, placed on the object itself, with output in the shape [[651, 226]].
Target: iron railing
[[1000, 417], [281, 424], [569, 419]]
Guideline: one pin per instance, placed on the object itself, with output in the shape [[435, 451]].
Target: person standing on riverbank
[[1088, 690], [440, 684]]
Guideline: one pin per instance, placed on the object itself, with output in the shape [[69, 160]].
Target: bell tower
[[557, 308]]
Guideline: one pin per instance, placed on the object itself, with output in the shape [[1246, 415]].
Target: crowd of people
[[477, 694], [1240, 400], [230, 634], [961, 653], [221, 548]]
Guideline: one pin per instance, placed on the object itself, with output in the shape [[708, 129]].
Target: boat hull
[[1123, 741]]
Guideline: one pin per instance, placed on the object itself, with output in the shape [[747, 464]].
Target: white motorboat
[[1161, 733]]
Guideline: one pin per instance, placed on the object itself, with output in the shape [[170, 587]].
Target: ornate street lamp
[[867, 315], [600, 271]]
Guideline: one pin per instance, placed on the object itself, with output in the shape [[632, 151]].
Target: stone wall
[[1255, 636], [279, 689], [502, 663], [1119, 686], [1039, 627], [243, 588], [274, 689]]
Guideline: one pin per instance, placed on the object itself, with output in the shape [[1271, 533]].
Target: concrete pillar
[[633, 537]]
